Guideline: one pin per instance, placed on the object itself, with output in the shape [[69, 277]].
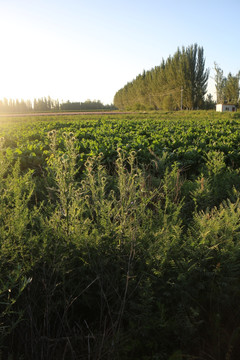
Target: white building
[[225, 107]]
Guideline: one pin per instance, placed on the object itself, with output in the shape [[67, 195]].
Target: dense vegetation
[[227, 88], [180, 82], [87, 105], [120, 237], [48, 104]]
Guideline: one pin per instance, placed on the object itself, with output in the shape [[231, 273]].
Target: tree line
[[86, 105], [180, 82], [49, 104]]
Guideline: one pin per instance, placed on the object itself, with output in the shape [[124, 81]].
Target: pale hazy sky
[[81, 50]]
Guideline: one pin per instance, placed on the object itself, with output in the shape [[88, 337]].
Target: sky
[[78, 50]]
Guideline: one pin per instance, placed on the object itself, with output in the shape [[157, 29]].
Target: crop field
[[120, 236], [185, 138]]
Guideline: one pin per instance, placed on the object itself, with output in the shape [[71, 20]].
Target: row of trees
[[180, 82], [12, 105], [48, 104], [22, 106], [227, 88], [87, 105]]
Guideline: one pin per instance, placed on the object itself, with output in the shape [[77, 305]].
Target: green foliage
[[180, 82], [120, 240], [17, 243], [85, 106], [227, 88], [168, 103]]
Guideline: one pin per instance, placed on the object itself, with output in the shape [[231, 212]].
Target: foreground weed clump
[[118, 261]]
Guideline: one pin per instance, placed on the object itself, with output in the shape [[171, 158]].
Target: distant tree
[[227, 88], [44, 104], [232, 88], [220, 83], [86, 105], [29, 105], [55, 105], [15, 106], [209, 103], [48, 104], [5, 105]]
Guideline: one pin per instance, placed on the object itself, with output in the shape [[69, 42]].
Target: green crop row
[[181, 137]]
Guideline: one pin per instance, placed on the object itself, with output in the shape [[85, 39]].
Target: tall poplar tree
[[220, 83], [232, 88], [179, 81], [227, 88]]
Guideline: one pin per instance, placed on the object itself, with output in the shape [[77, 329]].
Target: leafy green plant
[[122, 239]]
